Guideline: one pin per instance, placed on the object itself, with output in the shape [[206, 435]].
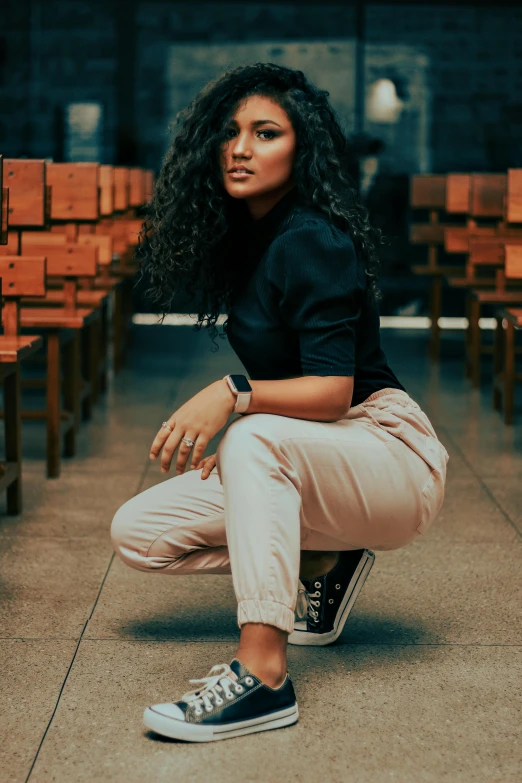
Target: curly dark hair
[[188, 241]]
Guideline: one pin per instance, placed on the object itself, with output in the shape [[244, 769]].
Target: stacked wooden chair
[[509, 319], [477, 220], [13, 350], [67, 268], [428, 195]]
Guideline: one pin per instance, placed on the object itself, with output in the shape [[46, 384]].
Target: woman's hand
[[208, 464], [199, 419]]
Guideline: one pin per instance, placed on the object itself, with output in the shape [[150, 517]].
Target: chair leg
[[509, 374], [104, 345], [498, 361], [475, 342], [435, 313], [13, 437], [117, 333], [94, 360], [87, 337], [53, 405], [72, 390]]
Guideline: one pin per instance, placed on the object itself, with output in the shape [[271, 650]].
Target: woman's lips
[[239, 174]]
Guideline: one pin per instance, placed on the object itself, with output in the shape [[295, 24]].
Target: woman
[[252, 208]]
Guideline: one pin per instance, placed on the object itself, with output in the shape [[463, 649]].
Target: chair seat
[[498, 297], [14, 349], [56, 317]]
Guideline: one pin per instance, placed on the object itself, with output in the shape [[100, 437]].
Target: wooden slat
[[4, 215], [74, 191], [12, 246], [121, 185], [4, 206], [514, 196], [427, 234], [136, 187], [457, 193], [487, 195], [513, 261], [427, 191], [106, 184], [149, 183], [26, 180], [103, 243], [456, 238], [70, 260], [22, 276]]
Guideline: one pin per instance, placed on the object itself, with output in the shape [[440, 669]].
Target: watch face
[[241, 383]]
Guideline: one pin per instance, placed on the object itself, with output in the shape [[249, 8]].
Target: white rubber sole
[[199, 732], [304, 637]]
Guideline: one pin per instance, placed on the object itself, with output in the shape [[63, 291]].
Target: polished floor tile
[[421, 687]]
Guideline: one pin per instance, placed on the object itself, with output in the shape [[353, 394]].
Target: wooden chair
[[61, 328], [428, 192], [4, 206], [86, 296], [509, 320], [486, 252], [13, 350]]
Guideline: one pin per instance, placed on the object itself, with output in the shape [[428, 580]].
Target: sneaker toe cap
[[169, 710]]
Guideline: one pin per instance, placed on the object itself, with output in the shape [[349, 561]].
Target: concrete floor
[[423, 684]]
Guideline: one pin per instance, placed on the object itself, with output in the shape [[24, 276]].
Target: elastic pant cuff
[[266, 612]]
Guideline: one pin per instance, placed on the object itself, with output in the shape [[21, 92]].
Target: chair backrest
[[457, 193], [514, 196], [149, 183], [136, 187], [28, 192], [487, 195], [103, 243], [66, 259], [513, 253], [428, 191], [106, 186], [19, 277], [121, 188], [456, 238], [13, 244], [74, 194]]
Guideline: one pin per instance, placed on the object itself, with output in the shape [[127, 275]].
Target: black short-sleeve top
[[301, 305]]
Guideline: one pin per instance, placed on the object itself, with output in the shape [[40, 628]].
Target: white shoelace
[[305, 605], [219, 680]]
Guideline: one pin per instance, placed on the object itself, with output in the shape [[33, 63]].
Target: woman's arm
[[314, 397]]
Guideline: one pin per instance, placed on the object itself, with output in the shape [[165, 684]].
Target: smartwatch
[[240, 386]]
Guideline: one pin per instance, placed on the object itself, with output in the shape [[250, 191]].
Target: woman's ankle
[[262, 650]]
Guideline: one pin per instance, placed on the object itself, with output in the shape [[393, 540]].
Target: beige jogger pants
[[373, 479]]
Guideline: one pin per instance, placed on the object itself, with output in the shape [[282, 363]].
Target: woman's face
[[261, 139]]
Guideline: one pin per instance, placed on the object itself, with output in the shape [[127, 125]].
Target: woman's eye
[[230, 132]]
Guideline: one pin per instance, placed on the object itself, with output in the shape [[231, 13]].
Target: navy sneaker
[[330, 598], [230, 702]]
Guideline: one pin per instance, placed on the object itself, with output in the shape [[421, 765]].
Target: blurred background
[[419, 87]]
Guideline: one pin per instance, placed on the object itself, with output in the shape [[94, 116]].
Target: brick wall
[[56, 51]]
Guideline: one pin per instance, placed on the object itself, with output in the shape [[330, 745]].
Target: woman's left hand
[[199, 419]]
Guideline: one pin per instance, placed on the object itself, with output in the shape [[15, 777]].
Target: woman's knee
[[125, 534]]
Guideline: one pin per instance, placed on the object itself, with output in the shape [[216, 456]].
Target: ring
[[167, 426], [188, 441]]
